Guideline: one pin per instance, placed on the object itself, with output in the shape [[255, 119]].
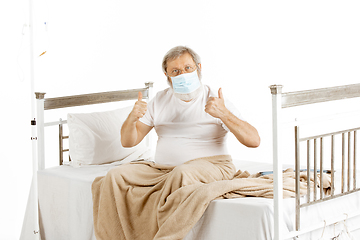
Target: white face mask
[[186, 86]]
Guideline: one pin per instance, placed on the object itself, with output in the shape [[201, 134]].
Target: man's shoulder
[[161, 97], [165, 93]]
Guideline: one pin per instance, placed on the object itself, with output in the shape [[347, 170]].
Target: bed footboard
[[349, 144]]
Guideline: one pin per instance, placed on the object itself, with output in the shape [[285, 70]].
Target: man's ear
[[168, 80]]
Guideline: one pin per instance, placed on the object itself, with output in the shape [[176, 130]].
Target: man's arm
[[133, 131], [243, 131]]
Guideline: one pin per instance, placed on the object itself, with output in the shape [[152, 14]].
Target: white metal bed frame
[[292, 99], [279, 101]]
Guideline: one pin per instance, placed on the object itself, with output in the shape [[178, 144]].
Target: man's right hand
[[133, 131], [139, 109]]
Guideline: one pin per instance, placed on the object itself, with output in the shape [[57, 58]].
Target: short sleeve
[[148, 118]]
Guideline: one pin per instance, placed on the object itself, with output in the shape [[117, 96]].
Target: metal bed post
[[149, 86], [277, 162], [297, 177], [40, 130], [34, 184], [38, 157]]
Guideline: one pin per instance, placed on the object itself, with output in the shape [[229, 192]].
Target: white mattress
[[65, 206]]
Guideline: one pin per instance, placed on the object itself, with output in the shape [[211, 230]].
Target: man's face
[[180, 65]]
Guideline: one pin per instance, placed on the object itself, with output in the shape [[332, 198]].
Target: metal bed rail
[[61, 142], [348, 166]]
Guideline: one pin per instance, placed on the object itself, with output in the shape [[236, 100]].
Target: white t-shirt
[[185, 131]]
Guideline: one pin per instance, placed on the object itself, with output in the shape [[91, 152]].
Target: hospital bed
[[63, 193]]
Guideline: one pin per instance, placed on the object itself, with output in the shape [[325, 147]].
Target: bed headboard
[[282, 100], [43, 104]]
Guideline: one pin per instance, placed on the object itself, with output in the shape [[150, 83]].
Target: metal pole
[[150, 136], [297, 177], [277, 163], [40, 130], [36, 228]]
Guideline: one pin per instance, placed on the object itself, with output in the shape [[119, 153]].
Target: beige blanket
[[144, 200]]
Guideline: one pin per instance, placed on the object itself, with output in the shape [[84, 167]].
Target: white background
[[94, 46]]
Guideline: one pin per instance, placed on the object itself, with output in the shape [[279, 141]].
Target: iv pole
[[34, 187]]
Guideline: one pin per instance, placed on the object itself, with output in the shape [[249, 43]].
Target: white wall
[[108, 45]]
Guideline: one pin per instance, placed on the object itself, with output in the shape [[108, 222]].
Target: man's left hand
[[215, 106]]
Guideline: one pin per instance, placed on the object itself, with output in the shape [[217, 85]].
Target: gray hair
[[178, 51]]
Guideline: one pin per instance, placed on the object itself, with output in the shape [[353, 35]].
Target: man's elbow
[[126, 144], [255, 142]]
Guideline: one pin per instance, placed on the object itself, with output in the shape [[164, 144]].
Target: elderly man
[[146, 200], [190, 120]]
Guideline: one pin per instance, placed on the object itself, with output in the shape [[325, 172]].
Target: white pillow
[[94, 138]]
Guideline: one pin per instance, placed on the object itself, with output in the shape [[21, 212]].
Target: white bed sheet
[[65, 206], [65, 202]]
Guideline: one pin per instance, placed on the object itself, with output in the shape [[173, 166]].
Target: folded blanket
[[145, 200]]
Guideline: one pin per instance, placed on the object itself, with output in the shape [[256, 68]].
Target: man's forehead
[[184, 59]]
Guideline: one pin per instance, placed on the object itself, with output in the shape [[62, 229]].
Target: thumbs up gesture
[[215, 106], [139, 109]]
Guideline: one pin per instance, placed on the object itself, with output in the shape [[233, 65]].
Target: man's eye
[[189, 69]]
